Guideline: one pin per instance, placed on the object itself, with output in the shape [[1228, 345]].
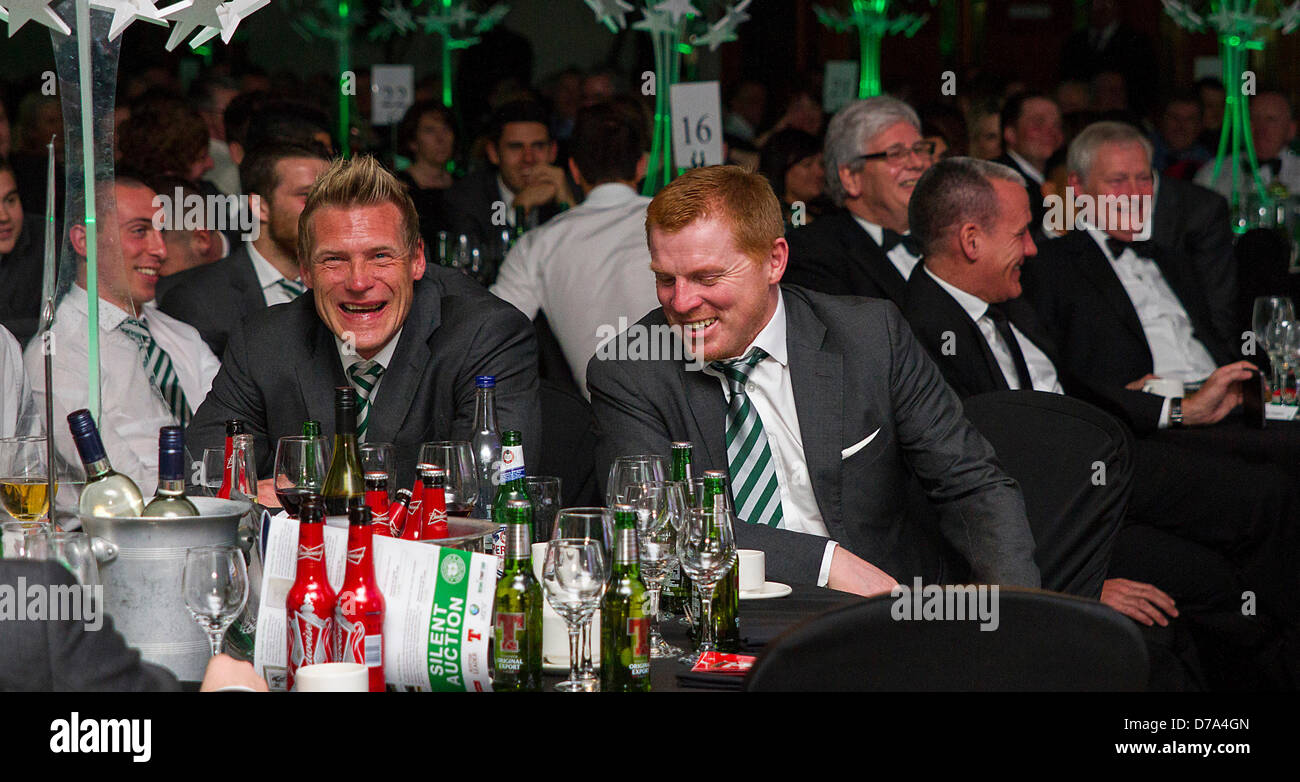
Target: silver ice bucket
[[142, 560]]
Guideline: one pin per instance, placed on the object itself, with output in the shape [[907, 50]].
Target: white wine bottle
[[344, 480], [107, 493], [170, 500]]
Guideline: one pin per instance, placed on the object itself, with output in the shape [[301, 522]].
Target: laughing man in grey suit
[[411, 340], [834, 405]]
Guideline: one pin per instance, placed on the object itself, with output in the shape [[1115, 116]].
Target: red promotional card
[[720, 662]]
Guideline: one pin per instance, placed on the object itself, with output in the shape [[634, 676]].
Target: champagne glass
[[595, 525], [215, 584], [573, 577], [300, 469], [544, 491], [706, 547], [24, 490], [24, 540], [73, 551], [659, 506], [627, 470], [457, 458]]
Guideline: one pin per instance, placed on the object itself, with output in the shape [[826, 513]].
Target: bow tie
[[1142, 249], [891, 239]]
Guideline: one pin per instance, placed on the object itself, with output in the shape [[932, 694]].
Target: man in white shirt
[[874, 156], [1272, 129], [588, 269], [154, 370]]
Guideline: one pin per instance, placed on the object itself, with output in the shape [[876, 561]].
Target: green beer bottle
[[726, 597], [517, 646], [678, 587], [624, 623], [510, 487]]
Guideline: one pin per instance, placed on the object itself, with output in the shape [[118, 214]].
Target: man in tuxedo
[[410, 340], [1031, 133], [523, 176], [214, 298], [820, 429], [874, 155], [1272, 129]]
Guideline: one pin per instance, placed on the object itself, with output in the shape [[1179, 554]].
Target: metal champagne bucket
[[142, 560]]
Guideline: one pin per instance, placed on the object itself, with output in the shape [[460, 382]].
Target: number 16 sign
[[697, 124]]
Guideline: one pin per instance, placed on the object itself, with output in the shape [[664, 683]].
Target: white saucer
[[770, 590]]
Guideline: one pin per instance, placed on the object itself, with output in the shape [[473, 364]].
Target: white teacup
[[332, 677], [1163, 386], [753, 569]]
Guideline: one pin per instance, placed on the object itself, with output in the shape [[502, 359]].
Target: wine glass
[[73, 551], [573, 577], [627, 470], [1282, 341], [1265, 311], [380, 459], [659, 506], [24, 489], [457, 458], [299, 470], [212, 470], [24, 540], [544, 491], [706, 547], [215, 584], [597, 526]]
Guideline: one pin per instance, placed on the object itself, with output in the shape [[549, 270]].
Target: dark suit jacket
[[1089, 317], [214, 298], [283, 365], [859, 375], [834, 254], [1193, 221], [968, 364], [1037, 209], [21, 275], [471, 201], [63, 655]]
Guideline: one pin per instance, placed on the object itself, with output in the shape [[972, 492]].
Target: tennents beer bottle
[[511, 488], [311, 603], [517, 643], [344, 480], [107, 493], [359, 634], [169, 501], [726, 598], [678, 587], [624, 623]]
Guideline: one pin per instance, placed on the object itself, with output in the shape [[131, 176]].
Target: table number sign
[[696, 109], [840, 85]]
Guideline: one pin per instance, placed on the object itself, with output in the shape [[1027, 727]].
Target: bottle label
[[311, 553], [499, 549], [638, 633], [311, 639], [509, 636], [351, 647], [355, 555], [512, 463]]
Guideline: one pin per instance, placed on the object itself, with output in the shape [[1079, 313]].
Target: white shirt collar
[[1026, 166], [267, 275], [975, 307], [110, 315], [383, 358], [876, 232], [772, 338], [609, 194]]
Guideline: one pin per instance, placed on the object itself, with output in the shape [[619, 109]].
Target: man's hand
[[1137, 385], [226, 671], [1218, 396], [545, 184], [852, 574], [1140, 602]]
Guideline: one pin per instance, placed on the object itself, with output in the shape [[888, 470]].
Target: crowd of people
[[847, 281]]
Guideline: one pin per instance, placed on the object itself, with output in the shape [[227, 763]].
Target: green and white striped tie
[[159, 366], [292, 287], [364, 375], [754, 483]]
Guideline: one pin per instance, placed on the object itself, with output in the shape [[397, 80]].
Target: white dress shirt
[[132, 409], [903, 260], [1288, 175], [508, 197], [1042, 372], [586, 268], [18, 412], [268, 277], [1026, 166], [383, 358], [771, 391]]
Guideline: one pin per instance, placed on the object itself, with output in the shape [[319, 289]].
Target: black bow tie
[[891, 239], [1142, 249]]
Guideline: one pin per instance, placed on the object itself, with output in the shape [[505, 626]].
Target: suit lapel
[[873, 260], [708, 405], [1093, 265], [319, 371], [411, 361], [984, 373], [817, 377], [243, 278]]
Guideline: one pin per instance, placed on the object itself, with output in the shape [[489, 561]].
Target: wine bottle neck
[[171, 487], [98, 469]]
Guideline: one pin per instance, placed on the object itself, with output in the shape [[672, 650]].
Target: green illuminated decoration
[[871, 20]]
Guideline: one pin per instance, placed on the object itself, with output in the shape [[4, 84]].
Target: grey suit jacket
[[859, 375], [214, 298], [282, 367]]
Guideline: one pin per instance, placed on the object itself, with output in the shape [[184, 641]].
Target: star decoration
[[1183, 15], [20, 12], [655, 21], [676, 9], [490, 18], [436, 24], [127, 11], [610, 13], [1288, 19], [236, 11], [1243, 24], [460, 16], [832, 18], [200, 13], [724, 29], [400, 17]]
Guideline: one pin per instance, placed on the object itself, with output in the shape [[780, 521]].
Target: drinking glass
[[299, 470], [215, 584], [573, 577], [380, 458], [457, 458], [597, 526], [659, 506], [24, 490], [627, 470], [24, 540], [73, 551], [706, 547], [212, 470], [1265, 311], [1282, 342], [696, 500], [544, 491]]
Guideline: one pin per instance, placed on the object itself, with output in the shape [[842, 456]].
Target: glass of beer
[[23, 477]]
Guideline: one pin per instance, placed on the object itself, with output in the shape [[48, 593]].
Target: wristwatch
[[1176, 412]]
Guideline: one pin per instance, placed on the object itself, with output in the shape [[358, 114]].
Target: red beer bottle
[[434, 518], [415, 510], [229, 480], [377, 500], [397, 512], [359, 619], [311, 603]]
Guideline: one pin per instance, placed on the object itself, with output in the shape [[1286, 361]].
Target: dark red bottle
[[359, 619], [310, 606]]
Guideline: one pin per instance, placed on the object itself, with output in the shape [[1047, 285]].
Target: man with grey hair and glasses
[[874, 155]]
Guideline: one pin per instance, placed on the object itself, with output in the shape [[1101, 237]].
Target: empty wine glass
[[212, 470], [457, 458], [706, 547], [627, 470], [24, 487], [215, 585], [659, 506], [597, 526], [573, 577], [300, 470], [1266, 311], [24, 540]]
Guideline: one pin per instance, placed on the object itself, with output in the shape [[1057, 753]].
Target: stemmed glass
[[24, 540], [707, 547], [380, 459], [660, 506], [212, 470], [1267, 310], [574, 576], [1283, 341], [595, 525], [23, 477], [457, 458], [627, 470], [215, 584], [299, 470]]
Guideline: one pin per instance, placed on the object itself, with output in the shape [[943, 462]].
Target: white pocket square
[[847, 452]]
